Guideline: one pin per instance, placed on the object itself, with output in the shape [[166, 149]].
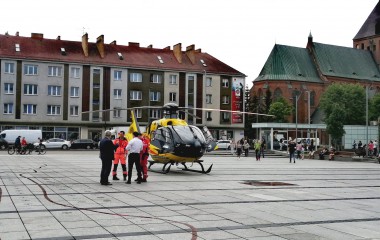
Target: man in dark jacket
[[107, 150], [291, 150]]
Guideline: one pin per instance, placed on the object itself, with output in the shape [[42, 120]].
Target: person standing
[[144, 154], [375, 147], [299, 150], [258, 149], [232, 146], [291, 150], [107, 149], [134, 147], [238, 148], [18, 144], [120, 155], [246, 147]]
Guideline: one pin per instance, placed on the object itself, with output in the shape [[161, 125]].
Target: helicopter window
[[186, 134], [163, 134]]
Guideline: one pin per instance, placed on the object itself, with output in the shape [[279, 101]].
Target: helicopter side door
[[163, 140]]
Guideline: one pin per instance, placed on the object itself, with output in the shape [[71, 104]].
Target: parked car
[[55, 143], [224, 144], [84, 144], [3, 144]]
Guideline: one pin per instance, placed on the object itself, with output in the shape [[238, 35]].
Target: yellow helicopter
[[173, 140]]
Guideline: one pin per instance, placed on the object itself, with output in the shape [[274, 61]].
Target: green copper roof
[[289, 63], [346, 62]]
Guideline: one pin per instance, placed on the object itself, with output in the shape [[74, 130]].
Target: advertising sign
[[237, 99]]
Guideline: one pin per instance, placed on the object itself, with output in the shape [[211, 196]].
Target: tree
[[343, 104], [280, 109], [374, 108]]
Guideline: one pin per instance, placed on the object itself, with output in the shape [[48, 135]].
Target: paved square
[[58, 196]]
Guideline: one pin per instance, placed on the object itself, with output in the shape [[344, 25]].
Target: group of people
[[297, 150], [21, 145], [243, 145], [116, 151]]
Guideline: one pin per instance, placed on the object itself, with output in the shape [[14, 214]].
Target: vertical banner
[[237, 99]]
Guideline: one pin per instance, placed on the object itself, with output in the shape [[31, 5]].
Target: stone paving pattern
[[58, 196]]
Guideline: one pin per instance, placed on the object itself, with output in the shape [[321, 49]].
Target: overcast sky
[[240, 33]]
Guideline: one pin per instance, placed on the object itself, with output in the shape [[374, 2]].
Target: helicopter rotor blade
[[231, 111]]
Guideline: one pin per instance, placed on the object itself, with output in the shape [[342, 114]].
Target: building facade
[[57, 86]]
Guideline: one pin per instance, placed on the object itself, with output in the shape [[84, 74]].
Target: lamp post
[[297, 98], [366, 117]]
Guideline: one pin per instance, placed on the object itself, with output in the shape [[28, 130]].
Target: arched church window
[[277, 94]]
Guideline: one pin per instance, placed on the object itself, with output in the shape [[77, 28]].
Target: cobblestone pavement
[[58, 196]]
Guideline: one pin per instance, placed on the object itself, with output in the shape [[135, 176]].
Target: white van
[[31, 136]]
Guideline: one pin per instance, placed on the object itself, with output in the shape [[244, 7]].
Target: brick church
[[293, 71]]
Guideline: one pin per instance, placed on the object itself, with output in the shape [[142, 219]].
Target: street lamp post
[[366, 117]]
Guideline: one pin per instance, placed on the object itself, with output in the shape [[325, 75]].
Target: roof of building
[[368, 28], [345, 62], [133, 56], [289, 63]]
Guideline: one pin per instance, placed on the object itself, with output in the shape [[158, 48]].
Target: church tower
[[368, 36]]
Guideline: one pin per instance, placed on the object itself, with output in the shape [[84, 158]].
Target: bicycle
[[40, 149], [23, 150]]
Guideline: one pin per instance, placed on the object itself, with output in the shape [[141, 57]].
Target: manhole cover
[[260, 183]]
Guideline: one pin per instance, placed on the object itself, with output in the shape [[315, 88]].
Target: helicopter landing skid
[[164, 171], [200, 163]]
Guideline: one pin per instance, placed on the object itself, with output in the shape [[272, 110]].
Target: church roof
[[369, 27], [289, 63], [345, 62]]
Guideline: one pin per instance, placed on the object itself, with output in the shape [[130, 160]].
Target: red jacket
[[122, 145]]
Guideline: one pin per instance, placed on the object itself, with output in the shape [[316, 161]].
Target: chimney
[[113, 42], [85, 44], [38, 36], [167, 48], [59, 38], [100, 45], [199, 50], [17, 34], [190, 53], [177, 52], [150, 46]]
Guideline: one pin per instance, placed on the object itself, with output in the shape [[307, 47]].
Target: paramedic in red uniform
[[144, 154], [120, 155]]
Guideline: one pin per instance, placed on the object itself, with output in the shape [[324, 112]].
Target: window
[[225, 99], [225, 83], [155, 96], [75, 72], [54, 90], [8, 88], [155, 113], [74, 92], [30, 89], [226, 116], [116, 113], [208, 116], [30, 69], [173, 79], [208, 98], [30, 109], [138, 113], [9, 68], [117, 75], [208, 82], [53, 110], [117, 93], [135, 77], [156, 78], [135, 95], [54, 71], [173, 97], [8, 108], [74, 110]]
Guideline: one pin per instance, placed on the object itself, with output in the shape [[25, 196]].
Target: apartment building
[[47, 84]]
